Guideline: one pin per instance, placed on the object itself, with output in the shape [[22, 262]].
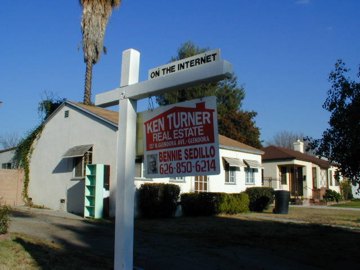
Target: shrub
[[4, 218], [332, 196], [260, 198], [208, 203], [199, 204], [234, 203], [346, 190], [158, 200]]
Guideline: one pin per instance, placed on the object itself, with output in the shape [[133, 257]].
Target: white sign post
[[206, 67]]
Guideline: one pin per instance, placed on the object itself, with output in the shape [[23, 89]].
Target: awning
[[234, 162], [252, 163], [77, 151]]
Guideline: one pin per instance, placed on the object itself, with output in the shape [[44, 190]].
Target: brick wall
[[11, 184]]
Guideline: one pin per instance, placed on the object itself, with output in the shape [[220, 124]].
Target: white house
[[76, 135], [302, 174]]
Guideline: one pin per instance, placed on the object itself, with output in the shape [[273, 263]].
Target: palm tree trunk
[[88, 82]]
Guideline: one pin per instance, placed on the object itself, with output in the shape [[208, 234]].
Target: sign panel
[[184, 64], [182, 139]]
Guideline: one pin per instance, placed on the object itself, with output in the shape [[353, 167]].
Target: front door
[[201, 183], [296, 181]]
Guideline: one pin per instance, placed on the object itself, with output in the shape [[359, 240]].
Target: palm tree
[[95, 17]]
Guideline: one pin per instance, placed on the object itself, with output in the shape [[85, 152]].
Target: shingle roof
[[275, 153], [113, 117], [226, 141], [109, 115]]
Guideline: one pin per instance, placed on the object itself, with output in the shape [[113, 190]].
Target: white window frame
[[84, 162], [231, 176], [250, 176], [180, 179]]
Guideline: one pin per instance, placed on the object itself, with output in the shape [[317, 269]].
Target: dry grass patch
[[19, 251]]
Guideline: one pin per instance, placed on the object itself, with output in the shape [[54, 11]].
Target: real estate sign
[[185, 64], [182, 139]]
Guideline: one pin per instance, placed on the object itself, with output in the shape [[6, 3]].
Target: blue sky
[[281, 50]]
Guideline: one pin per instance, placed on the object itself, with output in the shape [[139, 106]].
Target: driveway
[[64, 228]]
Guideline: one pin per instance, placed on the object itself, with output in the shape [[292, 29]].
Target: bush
[[199, 204], [158, 200], [346, 190], [332, 196], [207, 203], [260, 198], [234, 203], [4, 218]]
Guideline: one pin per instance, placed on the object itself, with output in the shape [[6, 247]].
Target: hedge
[[260, 198], [211, 203], [158, 200]]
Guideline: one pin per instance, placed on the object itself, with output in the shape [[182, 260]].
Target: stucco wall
[[11, 184], [51, 175]]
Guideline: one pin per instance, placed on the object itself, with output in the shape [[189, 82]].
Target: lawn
[[350, 204], [18, 251], [303, 239], [318, 216]]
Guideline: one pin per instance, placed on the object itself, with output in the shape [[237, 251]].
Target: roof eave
[[257, 152]]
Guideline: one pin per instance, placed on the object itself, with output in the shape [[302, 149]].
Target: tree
[[340, 143], [232, 121], [9, 140], [95, 16]]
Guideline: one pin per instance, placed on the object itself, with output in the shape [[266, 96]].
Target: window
[[66, 114], [6, 166], [283, 175], [250, 175], [201, 183], [139, 168], [81, 162], [177, 179], [231, 167], [330, 178], [314, 177], [230, 175]]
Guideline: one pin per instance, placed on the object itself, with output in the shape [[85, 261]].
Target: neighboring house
[[6, 158], [76, 135], [302, 174], [356, 191]]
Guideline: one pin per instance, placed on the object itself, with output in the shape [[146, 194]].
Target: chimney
[[299, 146]]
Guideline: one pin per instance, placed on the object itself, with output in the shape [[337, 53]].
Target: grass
[[299, 238], [351, 204], [18, 251], [321, 238], [323, 216]]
